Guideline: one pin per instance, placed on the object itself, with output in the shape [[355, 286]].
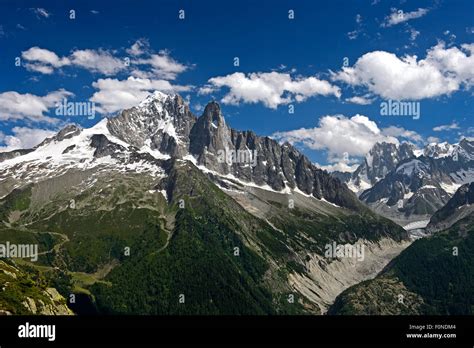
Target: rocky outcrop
[[23, 295], [104, 147], [12, 154], [382, 159], [417, 187]]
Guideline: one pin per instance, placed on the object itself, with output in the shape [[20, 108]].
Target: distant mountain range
[[406, 184]]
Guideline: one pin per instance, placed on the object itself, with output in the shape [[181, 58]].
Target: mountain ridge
[[151, 128]]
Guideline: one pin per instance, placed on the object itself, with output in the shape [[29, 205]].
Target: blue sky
[[414, 51]]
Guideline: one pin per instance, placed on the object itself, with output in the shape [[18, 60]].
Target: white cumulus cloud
[[359, 100], [345, 138], [114, 95], [143, 63], [45, 61], [442, 72], [23, 138], [42, 60], [162, 65], [16, 106], [99, 61], [272, 89]]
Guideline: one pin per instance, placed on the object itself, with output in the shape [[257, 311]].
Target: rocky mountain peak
[[381, 159], [161, 123], [466, 149], [212, 115], [162, 127], [66, 133], [421, 185], [155, 97], [389, 153], [406, 150], [209, 136], [467, 143], [437, 150], [465, 194]]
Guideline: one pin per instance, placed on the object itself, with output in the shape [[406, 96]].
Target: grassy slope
[[199, 261]]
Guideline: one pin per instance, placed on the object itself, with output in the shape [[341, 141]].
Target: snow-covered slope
[[75, 149]]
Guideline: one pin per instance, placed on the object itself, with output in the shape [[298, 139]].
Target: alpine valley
[[139, 214]]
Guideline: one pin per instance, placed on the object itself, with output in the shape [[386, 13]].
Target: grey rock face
[[272, 164], [342, 176], [209, 135], [400, 184], [411, 187], [162, 128], [464, 195], [12, 154], [67, 132], [384, 158], [103, 147]]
